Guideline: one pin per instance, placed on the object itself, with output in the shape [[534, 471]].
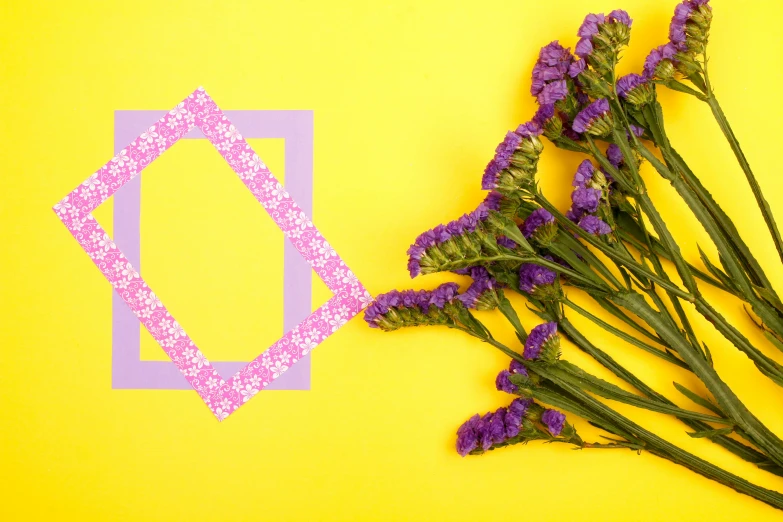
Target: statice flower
[[514, 415], [602, 36], [432, 246], [586, 199], [538, 281], [482, 293], [502, 382], [594, 225], [395, 309], [539, 225], [584, 174], [517, 367], [690, 26], [445, 293], [614, 155], [515, 161], [554, 421], [595, 119], [635, 89], [661, 62], [549, 72], [543, 343], [468, 435]]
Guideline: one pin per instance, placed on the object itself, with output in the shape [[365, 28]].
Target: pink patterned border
[[221, 396]]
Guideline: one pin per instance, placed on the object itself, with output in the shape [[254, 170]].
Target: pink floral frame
[[222, 396]]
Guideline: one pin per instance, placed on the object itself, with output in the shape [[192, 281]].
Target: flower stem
[[766, 211]]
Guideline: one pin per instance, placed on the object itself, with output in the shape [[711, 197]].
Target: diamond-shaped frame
[[223, 397]]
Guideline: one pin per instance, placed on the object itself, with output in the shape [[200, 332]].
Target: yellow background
[[410, 99]]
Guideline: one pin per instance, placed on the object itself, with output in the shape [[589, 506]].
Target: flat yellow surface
[[410, 99]]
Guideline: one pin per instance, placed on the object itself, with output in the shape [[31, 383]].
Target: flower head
[[481, 295], [594, 225], [586, 199], [539, 224], [552, 66], [614, 155], [514, 414], [517, 367], [467, 435], [503, 383], [543, 343], [594, 119], [445, 293], [441, 237], [604, 34], [515, 160], [554, 421], [635, 89], [690, 26], [661, 62], [537, 280], [395, 309], [584, 174]]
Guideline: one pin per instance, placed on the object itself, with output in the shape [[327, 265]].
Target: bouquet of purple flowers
[[518, 241]]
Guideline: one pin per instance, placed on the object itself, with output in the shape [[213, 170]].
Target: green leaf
[[774, 340], [715, 271], [710, 433], [769, 297], [697, 399]]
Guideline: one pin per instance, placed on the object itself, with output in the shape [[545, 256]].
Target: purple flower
[[445, 293], [662, 52], [585, 119], [517, 367], [482, 282], [619, 16], [501, 160], [538, 218], [502, 382], [506, 242], [467, 435], [552, 64], [529, 129], [553, 92], [514, 414], [539, 336], [554, 421], [544, 113], [586, 199], [579, 65], [614, 155], [583, 48], [589, 26], [574, 214], [584, 173], [497, 426], [483, 432], [492, 201], [507, 147], [628, 83], [555, 55], [532, 276], [594, 225], [637, 131]]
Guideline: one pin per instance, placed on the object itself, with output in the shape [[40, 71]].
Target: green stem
[[769, 443], [741, 450], [766, 211], [627, 262], [626, 337], [587, 407]]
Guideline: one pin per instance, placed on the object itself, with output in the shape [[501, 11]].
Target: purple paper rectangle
[[296, 128]]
